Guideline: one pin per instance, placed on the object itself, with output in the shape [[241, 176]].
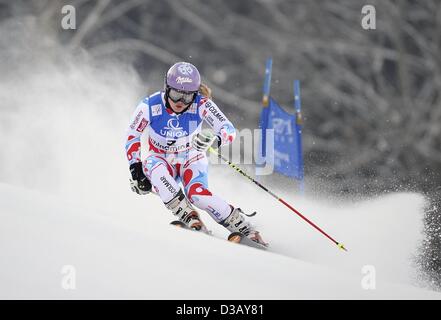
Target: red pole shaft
[[340, 245], [307, 220]]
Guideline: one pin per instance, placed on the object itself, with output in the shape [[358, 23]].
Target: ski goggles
[[184, 96]]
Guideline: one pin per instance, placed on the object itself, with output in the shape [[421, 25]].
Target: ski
[[179, 224], [182, 225], [237, 237]]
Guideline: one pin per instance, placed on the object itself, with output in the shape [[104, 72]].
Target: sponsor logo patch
[[214, 212], [156, 110], [210, 120], [173, 130], [215, 112], [138, 116], [182, 80], [170, 148], [168, 185], [185, 69], [142, 125]]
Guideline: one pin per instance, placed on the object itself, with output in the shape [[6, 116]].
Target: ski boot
[[187, 216], [239, 227]]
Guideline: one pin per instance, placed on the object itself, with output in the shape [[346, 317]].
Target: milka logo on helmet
[[172, 130], [185, 69], [182, 80]]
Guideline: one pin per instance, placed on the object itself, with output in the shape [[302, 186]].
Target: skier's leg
[[195, 180], [162, 177]]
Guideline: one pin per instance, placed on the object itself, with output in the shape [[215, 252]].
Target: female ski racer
[[177, 150]]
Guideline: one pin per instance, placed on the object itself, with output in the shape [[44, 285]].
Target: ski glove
[[139, 182], [205, 139]]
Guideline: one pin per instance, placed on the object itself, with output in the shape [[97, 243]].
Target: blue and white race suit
[[171, 156]]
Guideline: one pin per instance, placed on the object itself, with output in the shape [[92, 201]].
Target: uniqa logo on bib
[[172, 130]]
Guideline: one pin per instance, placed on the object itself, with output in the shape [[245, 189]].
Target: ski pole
[[232, 165]]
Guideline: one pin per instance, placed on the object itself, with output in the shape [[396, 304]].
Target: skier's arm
[[138, 123], [216, 119]]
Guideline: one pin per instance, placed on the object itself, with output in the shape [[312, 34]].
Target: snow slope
[[137, 255]]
